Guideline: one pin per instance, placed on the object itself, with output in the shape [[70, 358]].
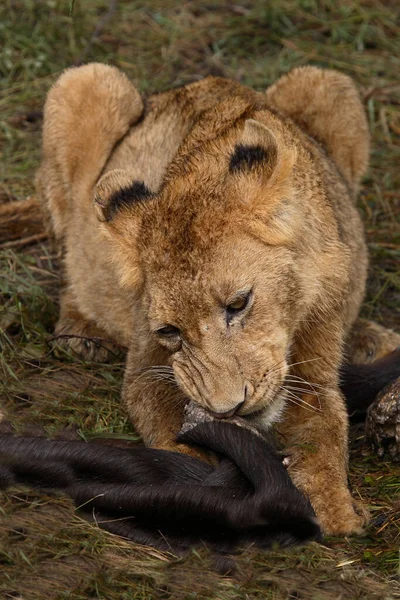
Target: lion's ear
[[262, 155], [118, 190], [256, 152], [118, 203], [262, 164]]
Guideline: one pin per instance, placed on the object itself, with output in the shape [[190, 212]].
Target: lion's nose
[[229, 413], [248, 390]]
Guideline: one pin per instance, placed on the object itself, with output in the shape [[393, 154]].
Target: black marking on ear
[[127, 196], [246, 157]]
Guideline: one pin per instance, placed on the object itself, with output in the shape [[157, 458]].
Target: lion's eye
[[168, 332], [237, 306]]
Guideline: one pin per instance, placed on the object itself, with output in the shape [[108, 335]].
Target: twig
[[100, 342], [380, 89], [102, 22], [26, 241]]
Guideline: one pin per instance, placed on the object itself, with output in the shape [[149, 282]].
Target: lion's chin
[[266, 416]]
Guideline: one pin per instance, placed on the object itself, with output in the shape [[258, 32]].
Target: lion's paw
[[344, 518], [85, 340]]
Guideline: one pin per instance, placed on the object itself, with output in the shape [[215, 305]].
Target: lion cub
[[213, 231]]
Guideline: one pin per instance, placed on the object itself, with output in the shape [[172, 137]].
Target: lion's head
[[214, 254]]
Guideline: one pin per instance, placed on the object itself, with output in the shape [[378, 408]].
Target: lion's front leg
[[315, 429], [317, 440], [154, 403]]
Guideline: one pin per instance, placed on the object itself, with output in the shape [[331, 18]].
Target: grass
[[46, 550]]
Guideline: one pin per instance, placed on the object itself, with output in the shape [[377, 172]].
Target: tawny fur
[[285, 227]]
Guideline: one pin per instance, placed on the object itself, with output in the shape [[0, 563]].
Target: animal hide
[[170, 500]]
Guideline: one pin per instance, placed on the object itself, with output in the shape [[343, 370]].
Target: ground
[[46, 550]]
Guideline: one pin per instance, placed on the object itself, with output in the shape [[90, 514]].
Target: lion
[[212, 230]]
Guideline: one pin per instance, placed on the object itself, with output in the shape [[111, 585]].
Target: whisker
[[303, 403], [319, 391], [298, 389], [297, 403], [301, 379], [302, 362], [163, 368], [313, 393], [300, 405], [278, 366], [164, 371], [152, 378]]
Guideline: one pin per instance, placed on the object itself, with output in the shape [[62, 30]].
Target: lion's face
[[227, 324], [212, 250]]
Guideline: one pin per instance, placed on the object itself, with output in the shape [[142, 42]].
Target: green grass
[[46, 550]]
